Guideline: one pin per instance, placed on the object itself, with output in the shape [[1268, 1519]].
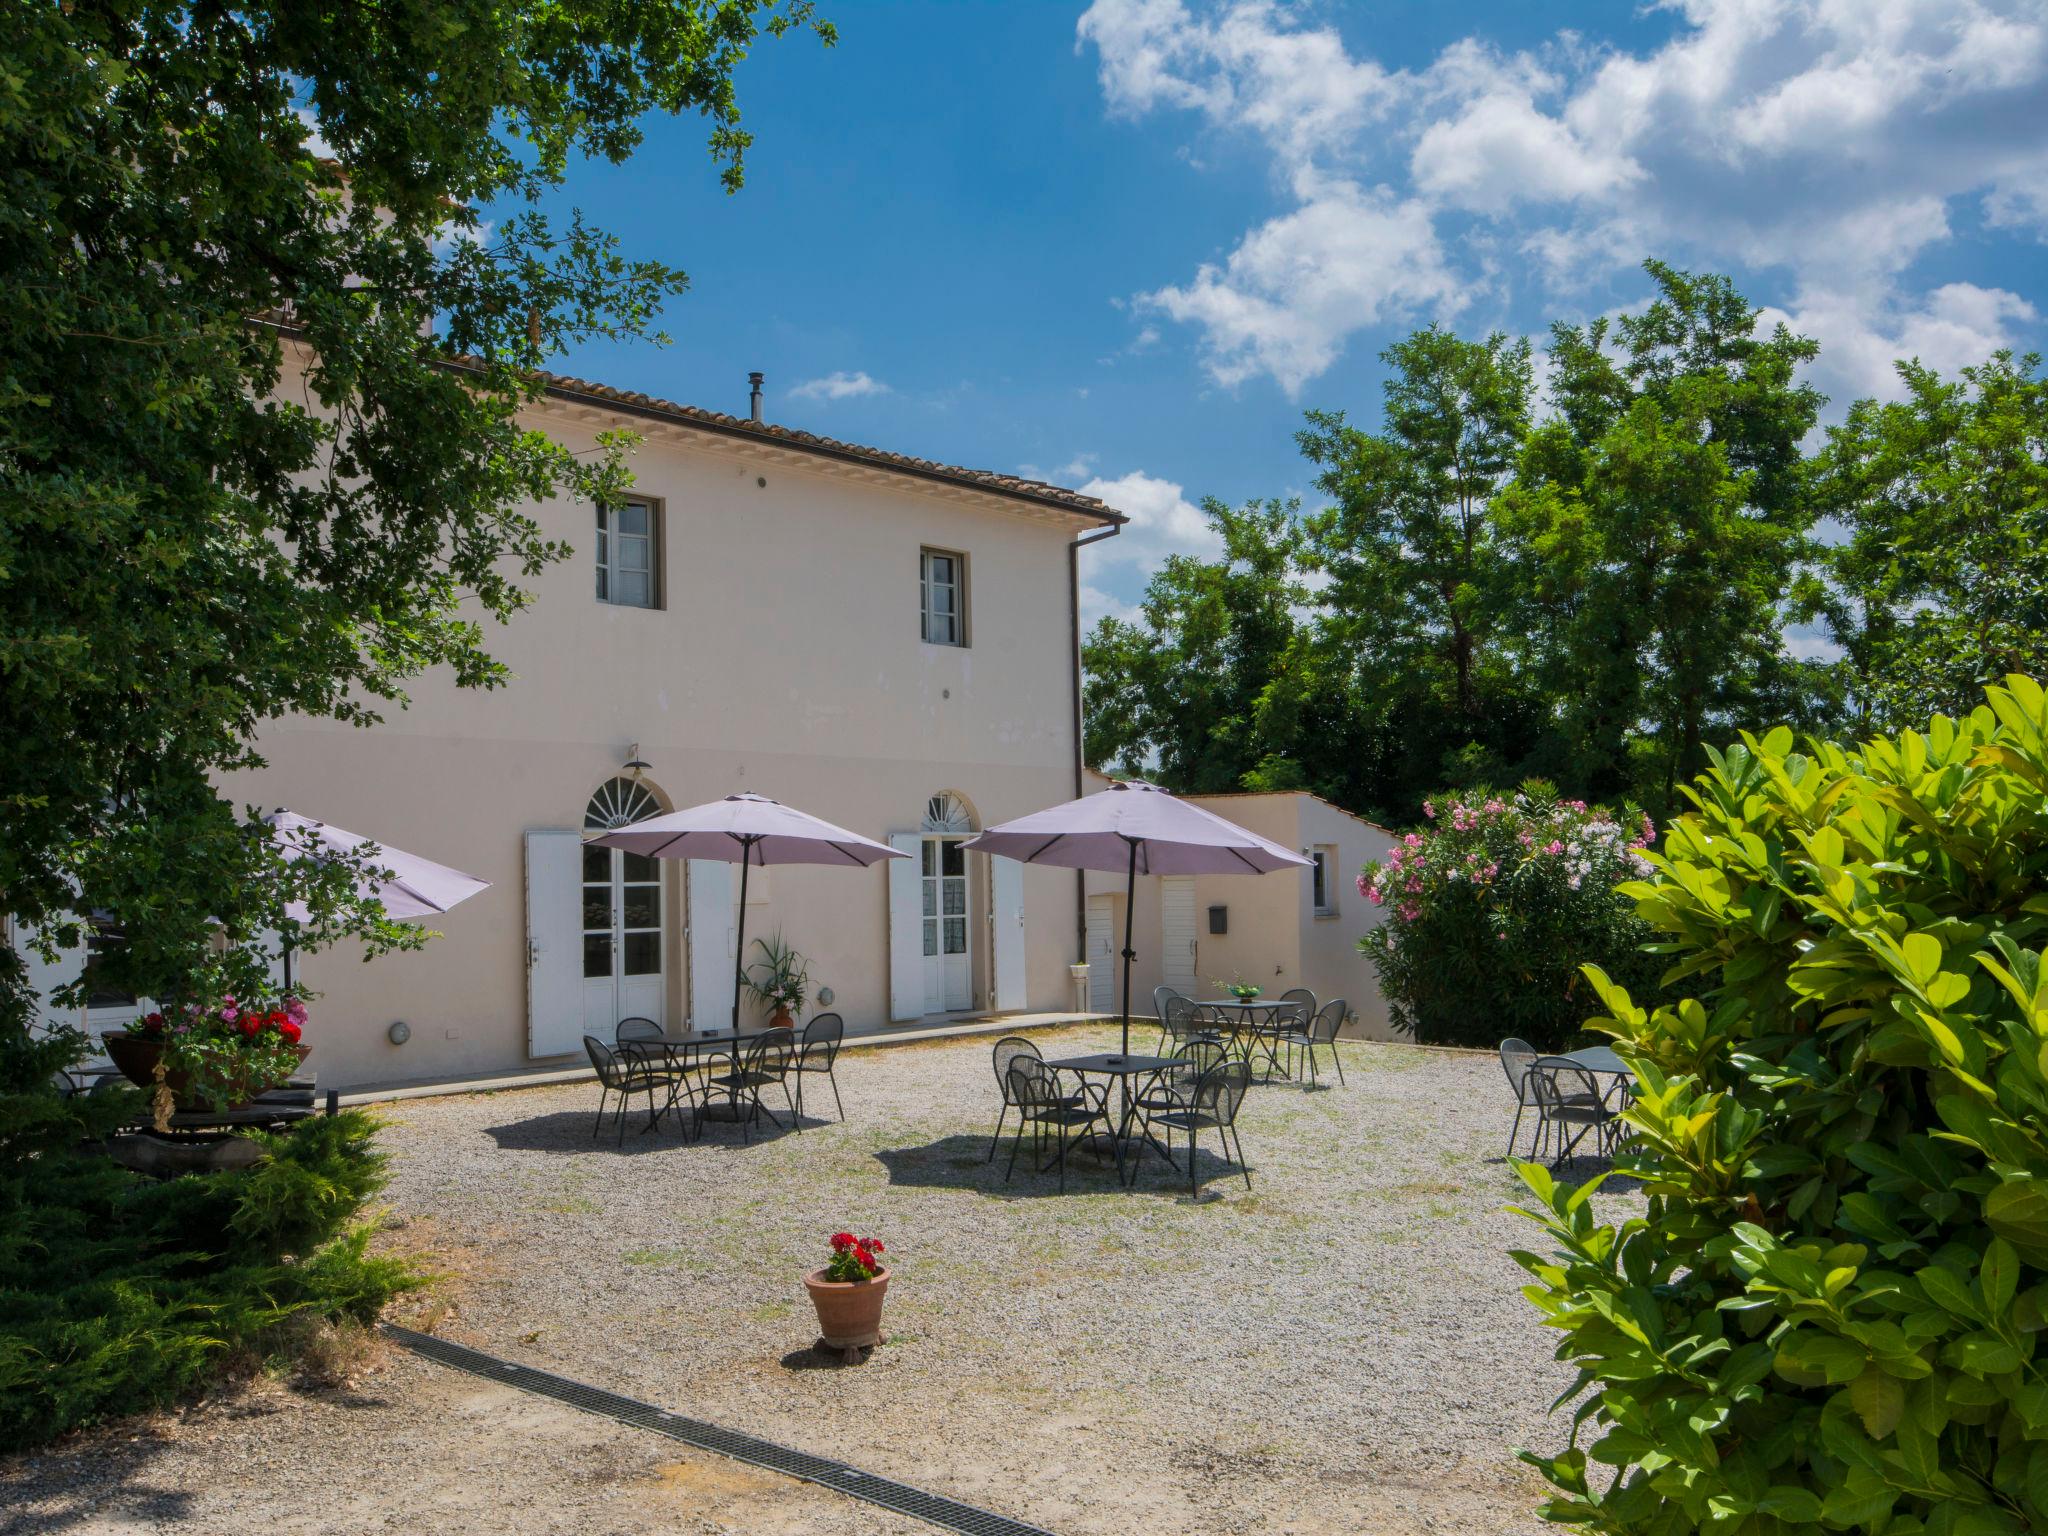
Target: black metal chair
[[1568, 1099], [1159, 1000], [1322, 1033], [625, 1076], [636, 1028], [1175, 1087], [1212, 1105], [1050, 1112], [1009, 1049], [1303, 996], [762, 1061], [817, 1052], [1516, 1057]]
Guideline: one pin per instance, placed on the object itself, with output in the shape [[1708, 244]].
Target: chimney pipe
[[754, 396]]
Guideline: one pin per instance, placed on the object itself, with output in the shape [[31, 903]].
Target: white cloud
[[1097, 605], [1954, 325], [839, 386], [1830, 140], [1162, 522], [1296, 287]]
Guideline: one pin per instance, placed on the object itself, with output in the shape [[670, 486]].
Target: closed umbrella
[[407, 885], [746, 830], [1142, 830]]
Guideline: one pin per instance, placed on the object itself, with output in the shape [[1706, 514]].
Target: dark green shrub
[[119, 1293], [1494, 905], [1832, 1313]]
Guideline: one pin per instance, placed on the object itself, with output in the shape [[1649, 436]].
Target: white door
[[1101, 943], [554, 942], [948, 968], [1006, 922], [1177, 933], [906, 929], [623, 974], [711, 940]]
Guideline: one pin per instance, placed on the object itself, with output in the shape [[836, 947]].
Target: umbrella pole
[[1130, 911], [739, 958]]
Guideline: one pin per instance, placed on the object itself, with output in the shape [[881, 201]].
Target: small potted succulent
[[216, 1056], [847, 1292], [781, 981]]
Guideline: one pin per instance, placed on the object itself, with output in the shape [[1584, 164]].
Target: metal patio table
[[1603, 1062], [1259, 1031], [1122, 1070], [677, 1051]]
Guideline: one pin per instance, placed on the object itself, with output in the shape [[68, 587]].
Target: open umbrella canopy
[[746, 829], [407, 885], [1142, 830], [1167, 835]]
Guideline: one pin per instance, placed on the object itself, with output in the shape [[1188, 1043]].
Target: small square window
[[627, 539], [943, 597]]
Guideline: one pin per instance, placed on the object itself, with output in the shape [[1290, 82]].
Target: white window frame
[[612, 544], [1322, 882], [929, 617]]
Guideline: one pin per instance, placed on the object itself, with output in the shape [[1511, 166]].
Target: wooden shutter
[[906, 928], [1006, 886], [554, 942], [711, 940]]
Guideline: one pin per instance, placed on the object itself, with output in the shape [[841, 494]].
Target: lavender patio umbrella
[[746, 830], [1142, 830], [407, 885]]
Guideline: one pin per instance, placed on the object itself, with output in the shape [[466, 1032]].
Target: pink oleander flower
[[1429, 809], [1372, 894], [1413, 840], [1554, 846]]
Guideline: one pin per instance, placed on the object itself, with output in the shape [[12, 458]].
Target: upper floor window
[[626, 536], [944, 597], [1325, 856]]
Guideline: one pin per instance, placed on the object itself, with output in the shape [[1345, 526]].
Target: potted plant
[[847, 1292], [782, 981], [1244, 991], [213, 1056]]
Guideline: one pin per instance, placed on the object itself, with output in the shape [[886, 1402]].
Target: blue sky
[[1124, 246]]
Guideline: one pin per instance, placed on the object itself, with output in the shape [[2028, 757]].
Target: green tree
[[1940, 587], [1179, 696], [184, 551], [1409, 544], [1655, 526]]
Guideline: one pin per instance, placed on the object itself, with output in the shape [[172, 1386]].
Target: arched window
[[947, 815], [617, 803]]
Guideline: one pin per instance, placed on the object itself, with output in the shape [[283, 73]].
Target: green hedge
[[1832, 1314], [119, 1293]]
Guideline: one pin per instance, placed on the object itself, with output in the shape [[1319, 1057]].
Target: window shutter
[[554, 942], [1006, 883], [906, 928], [711, 939]]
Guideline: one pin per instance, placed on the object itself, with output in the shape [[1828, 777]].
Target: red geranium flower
[[275, 1018], [842, 1240], [290, 1031], [251, 1024]]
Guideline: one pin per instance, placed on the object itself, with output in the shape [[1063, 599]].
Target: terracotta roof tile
[[563, 386]]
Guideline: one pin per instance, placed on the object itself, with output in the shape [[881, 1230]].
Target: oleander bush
[[1495, 904], [120, 1293], [1831, 1314]]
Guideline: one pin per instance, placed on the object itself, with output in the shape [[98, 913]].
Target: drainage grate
[[949, 1514]]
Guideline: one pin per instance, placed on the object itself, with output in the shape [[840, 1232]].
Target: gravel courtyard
[[1343, 1348]]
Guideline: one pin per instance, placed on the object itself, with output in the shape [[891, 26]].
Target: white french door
[[948, 967], [623, 971]]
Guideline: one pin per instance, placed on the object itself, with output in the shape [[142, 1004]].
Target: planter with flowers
[[782, 981], [848, 1292], [215, 1057]]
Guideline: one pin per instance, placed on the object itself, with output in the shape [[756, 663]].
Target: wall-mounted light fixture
[[399, 1032], [633, 764]]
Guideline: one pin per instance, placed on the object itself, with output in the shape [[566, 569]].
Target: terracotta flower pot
[[136, 1056], [849, 1311], [782, 1020]]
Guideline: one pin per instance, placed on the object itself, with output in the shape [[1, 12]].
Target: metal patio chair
[[1010, 1049], [763, 1062], [636, 1028], [1516, 1056], [1049, 1111], [1321, 1034], [624, 1076], [817, 1052], [1212, 1105], [1568, 1100]]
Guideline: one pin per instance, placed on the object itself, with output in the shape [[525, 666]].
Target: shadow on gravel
[[97, 1487], [961, 1162], [569, 1131], [1574, 1171]]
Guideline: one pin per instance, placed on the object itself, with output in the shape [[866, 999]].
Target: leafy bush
[[1494, 906], [118, 1292], [1832, 1313]]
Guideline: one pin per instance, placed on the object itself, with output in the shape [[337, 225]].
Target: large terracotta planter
[[849, 1311], [136, 1056]]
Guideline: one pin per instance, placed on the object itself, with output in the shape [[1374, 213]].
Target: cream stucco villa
[[883, 641]]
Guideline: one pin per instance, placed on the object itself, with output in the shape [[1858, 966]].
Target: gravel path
[[1342, 1348]]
